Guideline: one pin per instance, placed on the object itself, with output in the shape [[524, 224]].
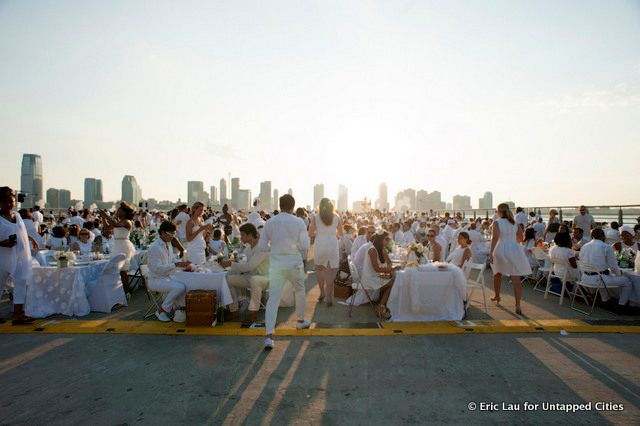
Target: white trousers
[[174, 292], [19, 287], [277, 278], [257, 284], [624, 291]]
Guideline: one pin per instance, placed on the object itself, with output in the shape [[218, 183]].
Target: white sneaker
[[162, 316], [303, 325], [268, 343], [179, 316]]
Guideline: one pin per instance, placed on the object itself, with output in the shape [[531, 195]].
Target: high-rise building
[[461, 202], [53, 198], [343, 198], [382, 203], [31, 180], [486, 202], [131, 191], [276, 200], [243, 200], [64, 200], [290, 191], [406, 200], [92, 191], [214, 195], [235, 187], [223, 192], [318, 194], [195, 192], [422, 197], [266, 202]]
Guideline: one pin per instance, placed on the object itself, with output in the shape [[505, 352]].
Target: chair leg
[[564, 289], [484, 299]]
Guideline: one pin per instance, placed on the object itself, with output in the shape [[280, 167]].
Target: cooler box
[[201, 308]]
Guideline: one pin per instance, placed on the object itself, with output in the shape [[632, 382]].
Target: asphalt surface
[[139, 379]]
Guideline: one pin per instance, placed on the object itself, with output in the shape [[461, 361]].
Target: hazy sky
[[537, 101]]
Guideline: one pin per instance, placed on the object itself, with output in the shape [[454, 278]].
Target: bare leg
[[386, 292], [497, 284], [320, 279], [517, 292], [329, 275]]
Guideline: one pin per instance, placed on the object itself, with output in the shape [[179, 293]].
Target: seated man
[[160, 260], [407, 236], [254, 273], [599, 254], [578, 239]]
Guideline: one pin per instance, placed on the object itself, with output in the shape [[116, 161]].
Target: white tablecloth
[[634, 299], [207, 281], [62, 291], [427, 294]]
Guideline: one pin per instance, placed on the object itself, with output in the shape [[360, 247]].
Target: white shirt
[[183, 218], [77, 220], [584, 222], [286, 239], [521, 219], [160, 260], [600, 255], [358, 259], [357, 243], [408, 238], [612, 235], [37, 216], [257, 263], [539, 228], [397, 237]]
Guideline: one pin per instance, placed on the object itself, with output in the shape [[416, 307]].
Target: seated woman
[[84, 244], [436, 253], [58, 240], [528, 245], [377, 271], [563, 253], [462, 253]]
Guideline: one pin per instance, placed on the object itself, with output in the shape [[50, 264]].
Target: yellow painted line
[[288, 328]]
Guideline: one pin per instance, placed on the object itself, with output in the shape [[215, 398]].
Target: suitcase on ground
[[201, 308]]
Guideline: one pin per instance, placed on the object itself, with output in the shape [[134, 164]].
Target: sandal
[[496, 299]]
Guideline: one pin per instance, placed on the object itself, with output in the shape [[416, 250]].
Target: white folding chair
[[154, 297], [356, 284], [472, 284], [108, 290], [565, 278], [545, 269], [583, 288]]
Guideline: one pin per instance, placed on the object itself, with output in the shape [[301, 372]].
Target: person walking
[[326, 228], [507, 256], [285, 238]]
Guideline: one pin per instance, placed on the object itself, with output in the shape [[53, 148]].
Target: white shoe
[[268, 343], [162, 316], [179, 316], [303, 325]]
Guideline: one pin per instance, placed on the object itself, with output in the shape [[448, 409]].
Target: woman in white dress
[[326, 228], [507, 256], [462, 253], [195, 230], [121, 226], [435, 252], [84, 245], [15, 254], [562, 255], [377, 271], [33, 228]]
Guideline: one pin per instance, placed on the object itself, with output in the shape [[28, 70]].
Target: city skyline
[[450, 97]]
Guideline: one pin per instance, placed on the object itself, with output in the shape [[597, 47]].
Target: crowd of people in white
[[274, 247]]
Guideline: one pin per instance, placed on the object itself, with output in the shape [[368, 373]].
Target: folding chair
[[154, 297], [473, 284], [541, 256], [565, 278], [356, 284], [582, 288], [136, 278]]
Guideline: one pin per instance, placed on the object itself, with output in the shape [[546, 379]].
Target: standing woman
[[507, 256], [326, 227], [195, 230], [121, 226], [15, 254]]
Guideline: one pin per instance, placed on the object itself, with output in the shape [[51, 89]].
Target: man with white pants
[[160, 260], [286, 239]]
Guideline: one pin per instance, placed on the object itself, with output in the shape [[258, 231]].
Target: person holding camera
[[15, 254]]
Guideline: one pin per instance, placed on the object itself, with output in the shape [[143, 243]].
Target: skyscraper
[[53, 198], [131, 191], [382, 203], [223, 192], [64, 199], [461, 202], [31, 180], [243, 200], [92, 191], [214, 195], [486, 202], [266, 202], [235, 187], [195, 192], [290, 191], [276, 200], [318, 194], [343, 198], [406, 200]]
